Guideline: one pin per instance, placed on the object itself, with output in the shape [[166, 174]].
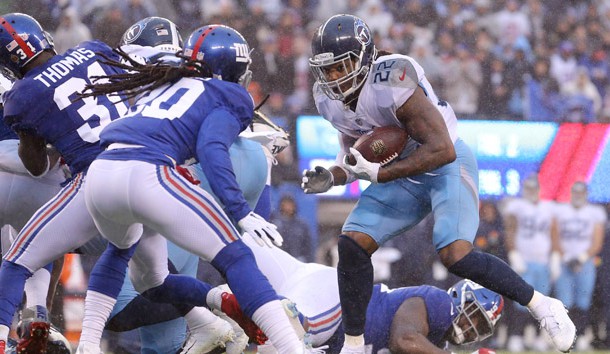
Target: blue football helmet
[[478, 311], [224, 50], [342, 39], [21, 40], [156, 32]]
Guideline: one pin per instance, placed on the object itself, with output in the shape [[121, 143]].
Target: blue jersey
[[193, 118], [45, 102], [5, 131], [384, 304]]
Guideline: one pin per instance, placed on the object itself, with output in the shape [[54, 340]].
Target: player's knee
[[147, 280], [351, 254], [454, 252], [364, 241], [230, 255]]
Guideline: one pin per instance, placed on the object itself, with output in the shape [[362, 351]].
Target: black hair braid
[[140, 78]]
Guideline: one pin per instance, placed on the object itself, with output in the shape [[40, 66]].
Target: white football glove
[[318, 180], [262, 231], [363, 169], [275, 141]]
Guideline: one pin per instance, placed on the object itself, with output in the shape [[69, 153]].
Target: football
[[381, 145]]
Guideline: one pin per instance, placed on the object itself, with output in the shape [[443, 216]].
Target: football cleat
[[206, 338], [553, 317], [57, 343], [3, 347], [230, 306], [33, 331], [34, 340], [240, 342]]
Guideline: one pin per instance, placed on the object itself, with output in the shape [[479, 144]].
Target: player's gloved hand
[[363, 169], [318, 180], [517, 262], [186, 173], [262, 231]]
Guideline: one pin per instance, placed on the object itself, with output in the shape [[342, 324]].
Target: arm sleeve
[[216, 135]]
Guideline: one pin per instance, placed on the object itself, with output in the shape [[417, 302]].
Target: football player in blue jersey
[[359, 88], [42, 110], [160, 326], [21, 196], [193, 110]]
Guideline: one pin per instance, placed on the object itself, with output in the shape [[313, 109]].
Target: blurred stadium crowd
[[528, 60], [507, 59]]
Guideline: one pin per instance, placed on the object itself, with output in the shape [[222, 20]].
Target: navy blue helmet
[[478, 311], [224, 50], [156, 32], [342, 39], [21, 40]]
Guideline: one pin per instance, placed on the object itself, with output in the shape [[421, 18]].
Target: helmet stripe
[[22, 44], [200, 41]]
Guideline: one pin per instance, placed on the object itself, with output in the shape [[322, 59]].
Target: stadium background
[[527, 78]]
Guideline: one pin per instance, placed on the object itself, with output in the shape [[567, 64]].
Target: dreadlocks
[[140, 78]]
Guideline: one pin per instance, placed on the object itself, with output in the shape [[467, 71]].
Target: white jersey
[[576, 227], [391, 81], [533, 234]]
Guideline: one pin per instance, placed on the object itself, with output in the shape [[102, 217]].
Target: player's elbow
[[445, 152], [405, 343]]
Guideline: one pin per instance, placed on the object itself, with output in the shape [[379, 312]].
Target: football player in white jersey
[[359, 88], [581, 233], [528, 223]]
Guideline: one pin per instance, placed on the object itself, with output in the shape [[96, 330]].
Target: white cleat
[[206, 338], [239, 344], [553, 317]]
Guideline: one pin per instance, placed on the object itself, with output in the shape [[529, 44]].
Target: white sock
[[37, 287], [97, 310], [535, 300], [274, 322], [4, 332], [354, 341], [199, 317], [214, 299]]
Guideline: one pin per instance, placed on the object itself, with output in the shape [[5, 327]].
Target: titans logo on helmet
[[362, 32], [133, 33]]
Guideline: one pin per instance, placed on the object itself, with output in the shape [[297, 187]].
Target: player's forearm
[[339, 175], [414, 343], [426, 158]]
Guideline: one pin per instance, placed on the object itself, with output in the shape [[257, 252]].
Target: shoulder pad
[[394, 71]]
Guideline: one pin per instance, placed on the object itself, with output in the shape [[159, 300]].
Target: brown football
[[381, 145]]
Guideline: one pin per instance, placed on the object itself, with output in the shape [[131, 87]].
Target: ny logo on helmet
[[362, 32], [241, 53]]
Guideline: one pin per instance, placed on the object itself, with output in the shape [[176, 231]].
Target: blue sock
[[494, 274], [263, 206], [12, 283], [355, 276], [108, 273], [251, 288], [49, 267]]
